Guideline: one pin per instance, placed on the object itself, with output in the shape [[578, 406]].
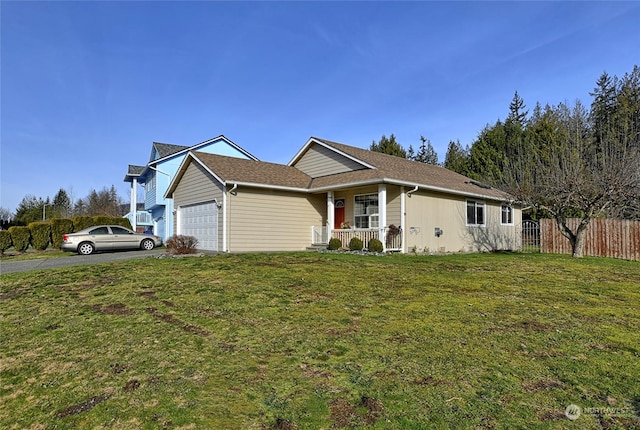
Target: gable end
[[319, 160]]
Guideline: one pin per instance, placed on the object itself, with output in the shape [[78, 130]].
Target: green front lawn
[[323, 341]]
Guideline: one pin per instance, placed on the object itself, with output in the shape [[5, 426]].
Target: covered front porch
[[371, 212], [391, 236]]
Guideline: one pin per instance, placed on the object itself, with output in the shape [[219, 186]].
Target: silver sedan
[[106, 238]]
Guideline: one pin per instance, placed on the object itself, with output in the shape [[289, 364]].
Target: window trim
[[510, 214], [477, 204], [367, 215]]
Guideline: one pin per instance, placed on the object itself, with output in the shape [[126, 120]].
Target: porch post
[[382, 212], [134, 204], [330, 213], [403, 216]]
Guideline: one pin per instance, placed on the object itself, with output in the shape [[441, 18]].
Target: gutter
[[412, 191]]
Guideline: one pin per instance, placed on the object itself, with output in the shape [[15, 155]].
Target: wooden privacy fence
[[616, 238]]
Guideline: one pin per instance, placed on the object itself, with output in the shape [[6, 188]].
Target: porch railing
[[142, 218], [392, 242]]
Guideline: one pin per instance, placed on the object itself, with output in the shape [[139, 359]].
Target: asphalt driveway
[[74, 260]]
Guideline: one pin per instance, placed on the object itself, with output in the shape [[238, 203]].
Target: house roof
[[383, 169], [166, 149], [253, 172], [133, 172], [392, 169]]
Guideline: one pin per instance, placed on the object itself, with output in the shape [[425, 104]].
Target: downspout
[[412, 191], [235, 186]]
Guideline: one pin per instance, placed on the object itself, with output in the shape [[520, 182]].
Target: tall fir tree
[[426, 153], [388, 145]]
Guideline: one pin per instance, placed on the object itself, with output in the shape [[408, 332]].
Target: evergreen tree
[[30, 210], [388, 146], [457, 158], [411, 154], [61, 205], [426, 153], [487, 157]]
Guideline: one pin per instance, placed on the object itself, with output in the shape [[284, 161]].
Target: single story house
[[331, 190], [155, 176]]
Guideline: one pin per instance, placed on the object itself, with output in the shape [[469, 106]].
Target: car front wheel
[[86, 248], [147, 244]]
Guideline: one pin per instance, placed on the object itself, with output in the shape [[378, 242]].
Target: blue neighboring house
[[155, 177]]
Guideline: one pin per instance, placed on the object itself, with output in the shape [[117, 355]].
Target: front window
[[475, 213], [365, 211], [507, 214]]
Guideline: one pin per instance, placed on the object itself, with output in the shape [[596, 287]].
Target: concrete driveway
[[7, 266]]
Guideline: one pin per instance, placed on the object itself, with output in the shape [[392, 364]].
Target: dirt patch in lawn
[[113, 309], [81, 407], [346, 414], [150, 294], [543, 384], [12, 294], [189, 328]]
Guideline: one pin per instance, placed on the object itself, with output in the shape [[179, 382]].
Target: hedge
[[20, 236], [82, 222], [60, 227], [5, 241], [40, 235]]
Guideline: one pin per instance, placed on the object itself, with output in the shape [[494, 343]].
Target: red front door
[[338, 214]]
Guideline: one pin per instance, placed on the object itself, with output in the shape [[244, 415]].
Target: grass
[[288, 341], [31, 254]]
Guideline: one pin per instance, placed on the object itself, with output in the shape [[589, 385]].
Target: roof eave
[[407, 184]]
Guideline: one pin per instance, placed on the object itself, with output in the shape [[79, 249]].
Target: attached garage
[[200, 221]]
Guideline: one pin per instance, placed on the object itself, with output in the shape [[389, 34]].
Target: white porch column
[[382, 212], [403, 216], [134, 203], [330, 212]]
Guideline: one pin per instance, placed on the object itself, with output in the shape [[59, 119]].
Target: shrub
[[82, 222], [102, 220], [392, 233], [20, 237], [181, 244], [60, 227], [5, 241], [111, 220], [355, 244], [375, 246], [335, 243], [40, 235]]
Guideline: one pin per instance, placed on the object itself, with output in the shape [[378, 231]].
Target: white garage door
[[201, 222]]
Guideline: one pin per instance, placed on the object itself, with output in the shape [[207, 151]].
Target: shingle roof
[[231, 169], [133, 171], [387, 168], [392, 168], [166, 149]]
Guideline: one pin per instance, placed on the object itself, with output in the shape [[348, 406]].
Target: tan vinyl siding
[[428, 210], [198, 186], [393, 206], [269, 220], [319, 161]]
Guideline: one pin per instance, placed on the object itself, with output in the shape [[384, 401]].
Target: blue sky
[[86, 87]]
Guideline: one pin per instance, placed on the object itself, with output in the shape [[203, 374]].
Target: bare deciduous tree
[[577, 177]]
